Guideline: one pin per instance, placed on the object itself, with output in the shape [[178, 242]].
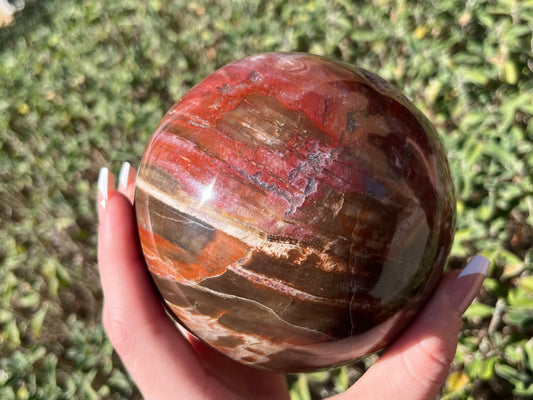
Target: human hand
[[167, 364]]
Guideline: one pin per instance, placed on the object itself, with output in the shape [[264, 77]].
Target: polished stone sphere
[[294, 212]]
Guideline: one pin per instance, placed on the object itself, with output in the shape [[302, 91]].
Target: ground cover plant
[[84, 83]]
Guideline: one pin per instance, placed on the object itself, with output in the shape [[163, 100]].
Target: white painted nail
[[106, 183], [124, 174], [466, 286], [103, 178], [477, 265]]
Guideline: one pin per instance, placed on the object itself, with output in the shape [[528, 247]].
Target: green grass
[[83, 84]]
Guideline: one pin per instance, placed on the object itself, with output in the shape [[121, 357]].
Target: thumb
[[415, 366]]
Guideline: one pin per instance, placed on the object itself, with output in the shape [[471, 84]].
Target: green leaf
[[300, 390], [23, 393], [479, 310], [341, 380], [510, 72], [86, 386], [520, 317], [12, 333], [528, 348], [486, 370], [504, 157], [511, 270], [37, 321], [520, 299], [471, 75], [5, 316], [457, 382], [495, 287], [30, 299], [506, 372], [526, 283]]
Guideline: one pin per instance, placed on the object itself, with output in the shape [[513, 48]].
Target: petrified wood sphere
[[294, 212]]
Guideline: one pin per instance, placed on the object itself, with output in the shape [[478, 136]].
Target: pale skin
[[166, 364]]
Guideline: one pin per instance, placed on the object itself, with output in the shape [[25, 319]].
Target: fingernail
[[124, 175], [466, 286], [126, 180], [106, 182]]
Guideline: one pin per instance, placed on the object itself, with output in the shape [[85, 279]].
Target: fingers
[[416, 364], [125, 282], [147, 341], [162, 362]]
